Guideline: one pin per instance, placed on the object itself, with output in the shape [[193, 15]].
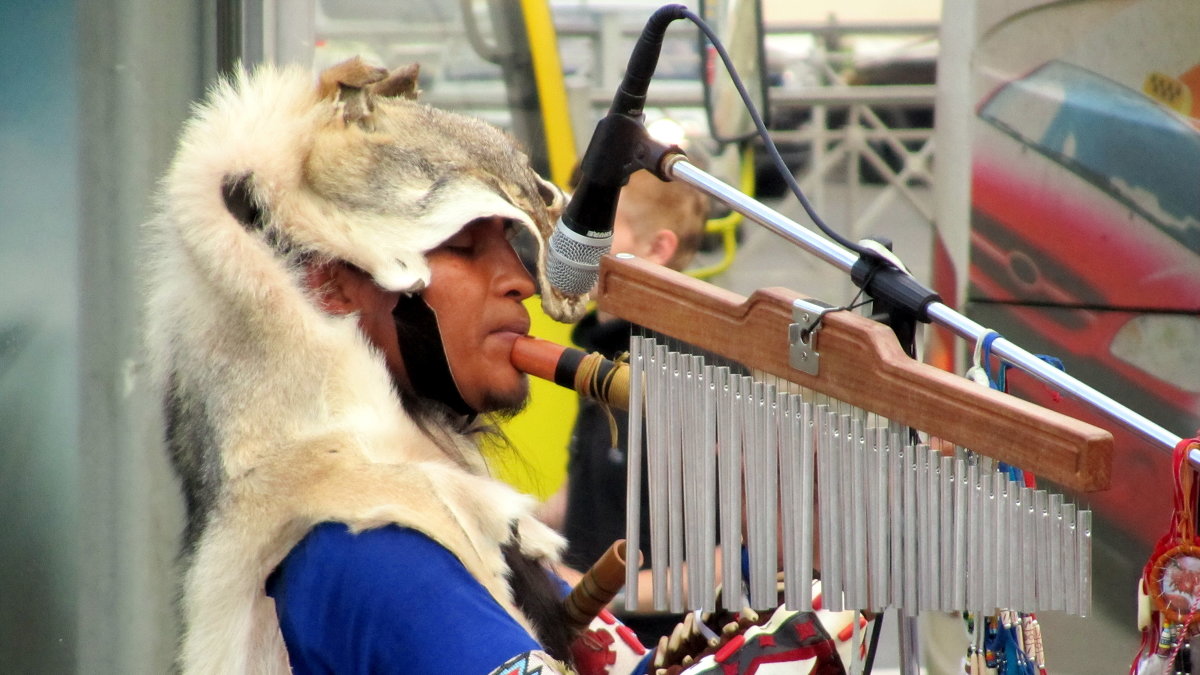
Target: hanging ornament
[[1170, 585]]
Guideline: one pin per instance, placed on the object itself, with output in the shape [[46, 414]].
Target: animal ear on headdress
[[354, 85], [400, 83], [554, 198]]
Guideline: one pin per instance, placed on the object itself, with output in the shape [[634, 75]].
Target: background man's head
[[660, 221]]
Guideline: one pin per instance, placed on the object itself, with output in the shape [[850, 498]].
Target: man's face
[[476, 289]]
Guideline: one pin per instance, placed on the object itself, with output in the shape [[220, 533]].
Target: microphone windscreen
[[573, 260]]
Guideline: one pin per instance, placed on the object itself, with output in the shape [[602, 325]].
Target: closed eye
[[462, 243], [468, 240]]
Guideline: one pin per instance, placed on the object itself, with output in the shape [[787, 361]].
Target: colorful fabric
[[789, 642], [608, 646], [529, 663]]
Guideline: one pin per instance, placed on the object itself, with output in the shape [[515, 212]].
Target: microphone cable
[[769, 145]]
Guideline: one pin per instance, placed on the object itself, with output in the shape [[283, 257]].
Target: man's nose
[[512, 276]]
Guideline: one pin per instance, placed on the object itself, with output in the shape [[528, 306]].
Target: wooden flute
[[591, 375], [599, 585]]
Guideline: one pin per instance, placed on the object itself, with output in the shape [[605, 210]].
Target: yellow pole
[[552, 90], [541, 432]]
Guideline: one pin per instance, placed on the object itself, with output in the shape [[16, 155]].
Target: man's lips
[[508, 335], [516, 327]]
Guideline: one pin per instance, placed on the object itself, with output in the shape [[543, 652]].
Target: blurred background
[[1037, 162]]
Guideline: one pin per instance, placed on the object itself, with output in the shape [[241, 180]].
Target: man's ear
[[662, 247], [331, 287]]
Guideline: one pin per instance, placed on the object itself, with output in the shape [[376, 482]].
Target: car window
[[1138, 151]]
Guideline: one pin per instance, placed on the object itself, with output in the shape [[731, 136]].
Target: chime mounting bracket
[[802, 335]]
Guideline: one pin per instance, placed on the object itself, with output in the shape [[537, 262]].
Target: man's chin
[[505, 405]]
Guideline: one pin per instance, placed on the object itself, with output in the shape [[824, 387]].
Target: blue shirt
[[387, 600]]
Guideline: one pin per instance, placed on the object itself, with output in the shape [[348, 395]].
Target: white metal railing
[[848, 127], [840, 145]]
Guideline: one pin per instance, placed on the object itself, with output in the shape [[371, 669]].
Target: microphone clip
[[620, 146]]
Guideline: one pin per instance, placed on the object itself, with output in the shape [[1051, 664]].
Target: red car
[[1085, 244]]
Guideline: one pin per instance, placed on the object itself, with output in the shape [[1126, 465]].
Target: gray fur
[[195, 457]]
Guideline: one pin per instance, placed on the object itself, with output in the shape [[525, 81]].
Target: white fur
[[302, 408]]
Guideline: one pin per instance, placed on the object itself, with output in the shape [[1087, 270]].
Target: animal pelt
[[280, 416]]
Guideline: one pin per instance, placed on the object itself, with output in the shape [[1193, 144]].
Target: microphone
[[584, 233]]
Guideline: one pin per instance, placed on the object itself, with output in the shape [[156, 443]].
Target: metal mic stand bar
[[678, 168]]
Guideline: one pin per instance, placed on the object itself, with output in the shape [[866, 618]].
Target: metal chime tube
[[708, 539], [858, 515], [1029, 558], [925, 598], [933, 531], [675, 480], [633, 467], [824, 447], [834, 566], [730, 486], [912, 515], [999, 520], [759, 516], [880, 558], [946, 533], [807, 478], [899, 582], [1054, 540], [961, 518], [974, 599], [768, 566], [752, 475], [1041, 532], [768, 562], [1013, 532], [987, 581], [693, 465], [658, 470], [789, 496], [1071, 581], [1083, 562]]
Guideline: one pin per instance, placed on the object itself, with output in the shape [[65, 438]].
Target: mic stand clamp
[[893, 289], [621, 145]]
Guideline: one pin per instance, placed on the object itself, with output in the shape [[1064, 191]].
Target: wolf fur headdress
[[280, 416]]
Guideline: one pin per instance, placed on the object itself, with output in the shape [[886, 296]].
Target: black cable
[[869, 661], [769, 144]]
